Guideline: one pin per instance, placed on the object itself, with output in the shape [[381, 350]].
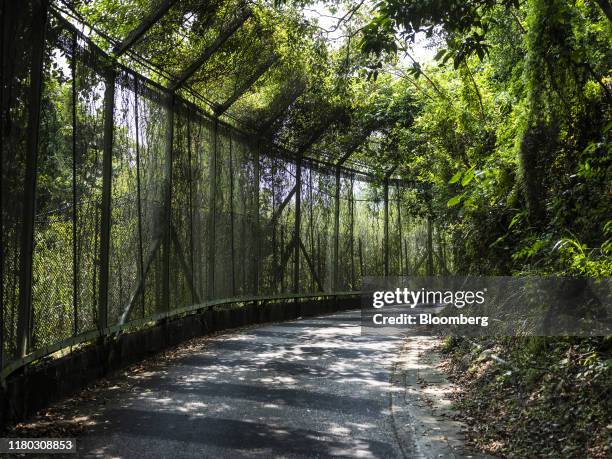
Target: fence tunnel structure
[[137, 185]]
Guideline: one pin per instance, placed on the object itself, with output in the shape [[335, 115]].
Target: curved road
[[309, 388]]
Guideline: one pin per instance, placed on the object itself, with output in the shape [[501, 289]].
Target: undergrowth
[[553, 398]]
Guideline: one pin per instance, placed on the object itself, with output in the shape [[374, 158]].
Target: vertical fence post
[[282, 265], [313, 285], [39, 23], [231, 203], [352, 234], [167, 203], [191, 206], [212, 211], [275, 267], [386, 228], [298, 222], [429, 246], [257, 220], [2, 118], [75, 270], [361, 265], [336, 239], [141, 273], [107, 174], [399, 230]]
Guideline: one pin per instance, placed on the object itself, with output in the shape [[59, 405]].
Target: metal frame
[[149, 21], [167, 222], [73, 114], [386, 223], [212, 211], [225, 34], [105, 225], [168, 238], [244, 87], [263, 127], [336, 237], [24, 322], [231, 202], [298, 223], [257, 229]]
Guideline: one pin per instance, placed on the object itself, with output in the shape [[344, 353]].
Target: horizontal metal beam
[[263, 68], [149, 21], [225, 34]]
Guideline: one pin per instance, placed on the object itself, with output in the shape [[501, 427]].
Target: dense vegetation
[[504, 137], [513, 131]]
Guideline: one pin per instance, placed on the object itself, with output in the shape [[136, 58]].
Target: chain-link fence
[[132, 201]]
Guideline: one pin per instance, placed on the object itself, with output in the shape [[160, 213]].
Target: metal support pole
[[429, 246], [75, 268], [231, 203], [257, 221], [399, 230], [361, 266], [212, 211], [141, 273], [386, 235], [336, 239], [311, 230], [165, 303], [281, 267], [24, 321], [5, 15], [298, 222], [198, 242], [149, 21], [105, 225], [352, 234], [274, 238], [191, 205]]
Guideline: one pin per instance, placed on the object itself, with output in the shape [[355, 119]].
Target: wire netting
[[198, 210]]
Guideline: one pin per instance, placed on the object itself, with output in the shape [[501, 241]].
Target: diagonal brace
[[263, 68], [140, 285], [186, 272], [285, 258], [280, 209], [354, 146], [149, 21], [225, 34], [311, 266], [296, 91]]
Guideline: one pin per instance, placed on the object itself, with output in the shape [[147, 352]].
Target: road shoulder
[[421, 404]]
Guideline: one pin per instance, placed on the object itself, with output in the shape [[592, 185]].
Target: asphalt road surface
[[308, 388]]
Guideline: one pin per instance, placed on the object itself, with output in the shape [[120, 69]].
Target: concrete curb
[[421, 406]]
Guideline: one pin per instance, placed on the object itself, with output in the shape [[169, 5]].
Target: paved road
[[309, 388]]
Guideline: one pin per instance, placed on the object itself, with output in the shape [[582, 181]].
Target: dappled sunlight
[[256, 390]]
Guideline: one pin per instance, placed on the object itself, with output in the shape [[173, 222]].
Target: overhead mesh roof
[[241, 61]]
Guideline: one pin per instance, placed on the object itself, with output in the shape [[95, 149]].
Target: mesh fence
[[198, 210]]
